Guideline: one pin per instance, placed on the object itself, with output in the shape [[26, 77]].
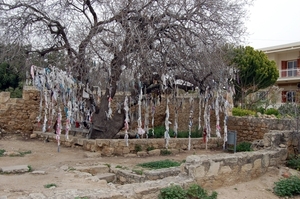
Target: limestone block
[[107, 151], [213, 169], [199, 171], [126, 150], [142, 153], [257, 164], [155, 152], [225, 170], [246, 167]]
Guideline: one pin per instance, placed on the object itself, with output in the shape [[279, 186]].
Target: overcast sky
[[273, 22]]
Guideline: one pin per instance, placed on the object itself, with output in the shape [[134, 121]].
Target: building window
[[291, 96], [292, 68]]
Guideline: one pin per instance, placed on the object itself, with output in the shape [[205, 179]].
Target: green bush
[[150, 148], [260, 110], [293, 162], [289, 109], [193, 192], [165, 152], [287, 187], [243, 146], [272, 111], [242, 112], [160, 164], [2, 152], [172, 192], [159, 132], [137, 148]]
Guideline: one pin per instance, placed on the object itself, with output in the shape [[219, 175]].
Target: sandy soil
[[44, 156]]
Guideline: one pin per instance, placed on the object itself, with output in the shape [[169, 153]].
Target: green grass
[[160, 164], [50, 185]]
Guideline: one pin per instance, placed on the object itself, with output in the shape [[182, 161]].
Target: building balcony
[[289, 75]]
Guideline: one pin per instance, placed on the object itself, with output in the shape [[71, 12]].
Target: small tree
[[254, 72]]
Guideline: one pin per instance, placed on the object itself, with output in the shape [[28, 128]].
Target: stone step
[[94, 170], [109, 177], [15, 169], [129, 176]]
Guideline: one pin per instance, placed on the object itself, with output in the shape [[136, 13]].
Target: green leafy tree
[[254, 71], [8, 78]]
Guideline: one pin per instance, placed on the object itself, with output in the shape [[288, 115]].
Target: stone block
[[94, 170], [213, 169], [109, 177], [15, 169]]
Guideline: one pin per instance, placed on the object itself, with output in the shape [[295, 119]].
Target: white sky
[[273, 22]]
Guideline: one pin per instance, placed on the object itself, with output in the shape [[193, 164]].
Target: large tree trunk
[[104, 127]]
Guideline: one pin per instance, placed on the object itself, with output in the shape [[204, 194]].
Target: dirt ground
[[44, 156]]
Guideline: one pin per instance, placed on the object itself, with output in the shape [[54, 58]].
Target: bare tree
[[178, 38]]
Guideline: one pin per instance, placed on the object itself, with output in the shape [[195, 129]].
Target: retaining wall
[[20, 115]]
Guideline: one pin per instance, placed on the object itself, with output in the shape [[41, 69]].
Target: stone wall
[[136, 147], [213, 171], [253, 128], [19, 114]]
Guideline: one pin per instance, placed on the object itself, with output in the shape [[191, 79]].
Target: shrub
[[293, 162], [287, 187], [165, 152], [2, 152], [193, 192], [137, 148], [150, 148], [243, 146], [160, 164], [171, 192], [260, 110], [242, 112], [272, 111], [289, 109]]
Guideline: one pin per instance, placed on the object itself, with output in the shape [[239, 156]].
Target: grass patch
[[84, 197], [29, 168], [160, 164], [50, 185]]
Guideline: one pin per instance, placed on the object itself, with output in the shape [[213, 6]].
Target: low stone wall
[[136, 147], [213, 171]]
